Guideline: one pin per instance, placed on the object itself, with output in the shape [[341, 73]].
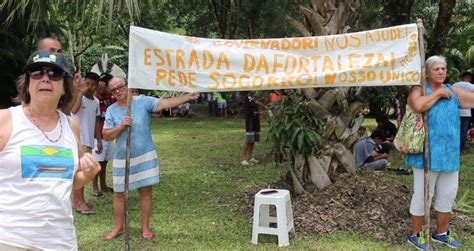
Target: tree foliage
[[295, 127]]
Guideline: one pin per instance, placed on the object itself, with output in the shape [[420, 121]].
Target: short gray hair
[[121, 78], [435, 60]]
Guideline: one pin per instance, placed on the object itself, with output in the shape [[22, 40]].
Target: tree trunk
[[297, 187], [227, 14], [397, 12], [318, 176], [343, 119], [437, 41]]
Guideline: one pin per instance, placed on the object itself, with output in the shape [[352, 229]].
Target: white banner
[[164, 61]]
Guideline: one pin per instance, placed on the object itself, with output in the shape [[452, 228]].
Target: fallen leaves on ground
[[369, 204]]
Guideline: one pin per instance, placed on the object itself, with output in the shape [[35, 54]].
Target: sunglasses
[[118, 88], [53, 74]]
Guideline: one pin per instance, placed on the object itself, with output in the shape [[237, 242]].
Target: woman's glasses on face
[[118, 88], [53, 74]]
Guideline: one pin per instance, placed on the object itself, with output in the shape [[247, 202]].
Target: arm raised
[[173, 102]]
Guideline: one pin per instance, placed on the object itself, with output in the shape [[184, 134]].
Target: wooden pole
[[127, 173], [426, 166]]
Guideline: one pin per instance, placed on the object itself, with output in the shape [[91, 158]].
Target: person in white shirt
[[466, 85], [85, 110]]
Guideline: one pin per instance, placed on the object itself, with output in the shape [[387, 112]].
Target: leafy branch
[[295, 127]]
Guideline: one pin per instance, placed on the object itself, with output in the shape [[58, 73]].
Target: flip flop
[[97, 194], [85, 211]]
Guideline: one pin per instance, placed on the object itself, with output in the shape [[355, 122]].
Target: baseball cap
[[47, 58]]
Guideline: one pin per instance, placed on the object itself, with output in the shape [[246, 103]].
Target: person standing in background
[[85, 110], [52, 44], [106, 99], [466, 85], [252, 127], [211, 100], [221, 105]]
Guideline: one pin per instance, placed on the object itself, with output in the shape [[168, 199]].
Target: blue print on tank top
[[46, 162]]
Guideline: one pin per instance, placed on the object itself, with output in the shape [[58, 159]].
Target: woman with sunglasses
[[144, 162], [40, 159]]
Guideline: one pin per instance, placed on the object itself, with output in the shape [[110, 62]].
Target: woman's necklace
[[44, 133]]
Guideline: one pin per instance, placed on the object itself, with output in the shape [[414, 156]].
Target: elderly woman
[[144, 163], [41, 161], [442, 102]]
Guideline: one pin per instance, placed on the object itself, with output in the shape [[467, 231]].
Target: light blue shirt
[[141, 141], [144, 164]]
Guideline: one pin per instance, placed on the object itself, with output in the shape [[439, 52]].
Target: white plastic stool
[[284, 215]]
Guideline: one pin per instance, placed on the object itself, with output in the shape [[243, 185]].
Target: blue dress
[[144, 163], [444, 130]]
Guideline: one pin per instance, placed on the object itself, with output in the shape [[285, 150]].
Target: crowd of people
[[66, 128]]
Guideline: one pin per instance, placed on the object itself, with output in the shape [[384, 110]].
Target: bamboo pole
[[128, 152], [426, 166], [127, 173]]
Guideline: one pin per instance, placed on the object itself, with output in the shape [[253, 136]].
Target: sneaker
[[244, 163], [401, 171], [446, 239], [252, 160], [418, 241]]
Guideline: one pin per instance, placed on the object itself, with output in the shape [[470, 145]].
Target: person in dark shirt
[[388, 130], [252, 127]]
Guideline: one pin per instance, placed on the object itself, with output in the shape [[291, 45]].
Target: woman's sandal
[[86, 211], [97, 194]]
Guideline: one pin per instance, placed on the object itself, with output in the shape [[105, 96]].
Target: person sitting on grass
[[365, 155], [388, 130]]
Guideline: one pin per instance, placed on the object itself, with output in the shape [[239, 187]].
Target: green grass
[[197, 206]]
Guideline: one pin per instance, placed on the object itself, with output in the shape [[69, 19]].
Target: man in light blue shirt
[[365, 155], [465, 114]]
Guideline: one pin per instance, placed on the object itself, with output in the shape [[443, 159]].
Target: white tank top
[[36, 178]]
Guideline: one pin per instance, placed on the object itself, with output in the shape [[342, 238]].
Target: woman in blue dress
[[144, 164], [442, 103]]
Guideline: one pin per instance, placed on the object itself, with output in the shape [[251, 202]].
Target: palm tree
[[302, 136]]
